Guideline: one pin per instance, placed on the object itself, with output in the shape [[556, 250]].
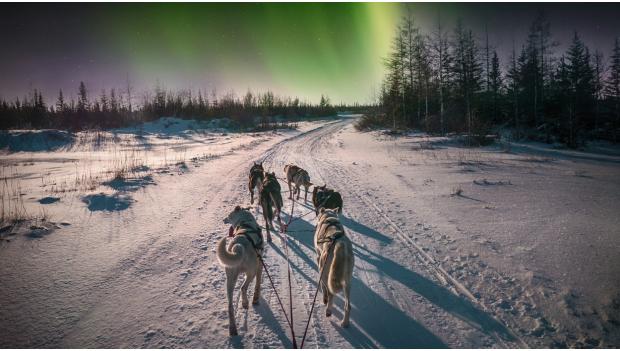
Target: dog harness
[[331, 222], [251, 231]]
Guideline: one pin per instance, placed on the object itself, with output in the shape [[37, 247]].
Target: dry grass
[[12, 209]]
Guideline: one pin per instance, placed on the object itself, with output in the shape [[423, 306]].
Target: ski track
[[170, 290]]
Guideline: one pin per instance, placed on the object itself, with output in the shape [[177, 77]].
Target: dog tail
[[228, 258], [338, 270]]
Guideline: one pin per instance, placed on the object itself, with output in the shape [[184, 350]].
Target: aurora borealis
[[304, 49]]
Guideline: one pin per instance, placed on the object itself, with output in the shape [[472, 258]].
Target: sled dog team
[[244, 252]]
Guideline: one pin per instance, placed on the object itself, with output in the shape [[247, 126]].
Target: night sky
[[302, 50]]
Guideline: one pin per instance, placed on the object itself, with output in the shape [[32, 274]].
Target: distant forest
[[451, 81], [439, 82], [114, 109]]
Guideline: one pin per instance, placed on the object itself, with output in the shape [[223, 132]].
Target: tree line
[[453, 81], [114, 109]]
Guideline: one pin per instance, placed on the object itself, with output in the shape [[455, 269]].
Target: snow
[[526, 255]]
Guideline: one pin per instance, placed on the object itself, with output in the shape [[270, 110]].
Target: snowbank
[[35, 140], [173, 125]]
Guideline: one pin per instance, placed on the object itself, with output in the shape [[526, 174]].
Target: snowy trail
[[392, 284], [148, 276]]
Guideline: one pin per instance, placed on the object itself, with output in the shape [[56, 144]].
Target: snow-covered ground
[[455, 247]]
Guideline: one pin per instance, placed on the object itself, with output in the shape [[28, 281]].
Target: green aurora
[[293, 49]]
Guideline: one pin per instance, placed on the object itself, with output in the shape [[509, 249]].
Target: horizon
[[294, 50]]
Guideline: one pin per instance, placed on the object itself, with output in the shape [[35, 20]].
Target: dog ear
[[238, 208]]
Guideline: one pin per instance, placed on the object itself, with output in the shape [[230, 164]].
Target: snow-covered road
[[148, 276]]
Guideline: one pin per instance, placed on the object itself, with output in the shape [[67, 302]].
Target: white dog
[[335, 254], [241, 256]]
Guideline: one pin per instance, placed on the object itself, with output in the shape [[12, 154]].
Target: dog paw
[[328, 313], [344, 324], [255, 302], [233, 332]]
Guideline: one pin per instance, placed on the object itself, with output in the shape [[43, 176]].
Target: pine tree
[[442, 63], [129, 91], [495, 85], [540, 50], [599, 70], [514, 80], [83, 104], [61, 105], [409, 33], [581, 78], [467, 71], [423, 67], [612, 86], [105, 106], [394, 99]]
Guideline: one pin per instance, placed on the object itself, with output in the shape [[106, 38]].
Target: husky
[[256, 179], [323, 197], [241, 256], [299, 177], [270, 197], [335, 257]]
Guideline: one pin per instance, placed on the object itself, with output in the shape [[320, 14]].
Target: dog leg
[[268, 226], [251, 197], [306, 195], [330, 303], [259, 277], [347, 305], [290, 191], [324, 288], [231, 279], [244, 290]]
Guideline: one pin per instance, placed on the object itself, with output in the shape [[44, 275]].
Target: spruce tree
[[581, 78], [495, 85], [442, 61], [612, 84]]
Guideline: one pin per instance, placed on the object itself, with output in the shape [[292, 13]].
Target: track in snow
[[150, 278], [387, 296]]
